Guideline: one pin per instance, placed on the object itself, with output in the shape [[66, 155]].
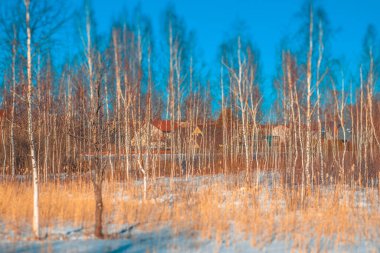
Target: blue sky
[[268, 21]]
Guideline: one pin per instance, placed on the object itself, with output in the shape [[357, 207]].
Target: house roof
[[165, 125]]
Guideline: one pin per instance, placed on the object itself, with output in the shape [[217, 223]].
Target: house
[[165, 126], [281, 132], [191, 129], [196, 137], [271, 135], [334, 131], [190, 137], [155, 135], [197, 131], [158, 135]]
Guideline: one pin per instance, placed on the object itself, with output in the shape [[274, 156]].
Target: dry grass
[[217, 210]]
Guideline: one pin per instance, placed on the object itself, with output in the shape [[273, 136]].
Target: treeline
[[95, 112]]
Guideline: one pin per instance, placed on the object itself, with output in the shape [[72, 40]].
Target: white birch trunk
[[14, 51], [308, 102], [30, 124]]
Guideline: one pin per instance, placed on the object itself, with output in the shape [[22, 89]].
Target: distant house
[[334, 131], [330, 131], [344, 135], [191, 129], [326, 134], [165, 126], [155, 135], [158, 135], [194, 136], [272, 135], [280, 131], [197, 131]]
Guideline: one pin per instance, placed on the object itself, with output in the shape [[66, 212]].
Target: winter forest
[[129, 142]]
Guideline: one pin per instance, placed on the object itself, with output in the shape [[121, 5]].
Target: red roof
[[164, 125]]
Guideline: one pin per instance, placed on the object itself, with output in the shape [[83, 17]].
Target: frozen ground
[[165, 241]]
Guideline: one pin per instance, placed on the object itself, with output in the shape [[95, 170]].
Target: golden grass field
[[218, 209]]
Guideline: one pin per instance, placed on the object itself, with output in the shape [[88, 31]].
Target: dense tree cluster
[[94, 115]]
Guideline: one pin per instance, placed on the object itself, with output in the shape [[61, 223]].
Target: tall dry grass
[[224, 210]]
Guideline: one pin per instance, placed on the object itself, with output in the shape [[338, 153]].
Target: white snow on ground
[[165, 240]]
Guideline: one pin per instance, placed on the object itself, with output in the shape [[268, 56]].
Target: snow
[[140, 242], [165, 240]]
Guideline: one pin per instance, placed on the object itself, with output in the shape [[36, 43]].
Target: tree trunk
[[14, 51], [30, 124], [98, 208], [308, 97]]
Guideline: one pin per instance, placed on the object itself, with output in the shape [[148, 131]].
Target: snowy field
[[169, 237], [165, 240]]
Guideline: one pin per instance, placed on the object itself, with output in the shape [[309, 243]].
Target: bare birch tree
[[309, 70], [36, 226]]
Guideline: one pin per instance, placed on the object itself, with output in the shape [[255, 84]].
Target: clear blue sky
[[268, 21]]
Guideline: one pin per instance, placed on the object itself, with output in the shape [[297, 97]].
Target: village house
[[155, 135], [281, 132], [331, 131], [158, 135]]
